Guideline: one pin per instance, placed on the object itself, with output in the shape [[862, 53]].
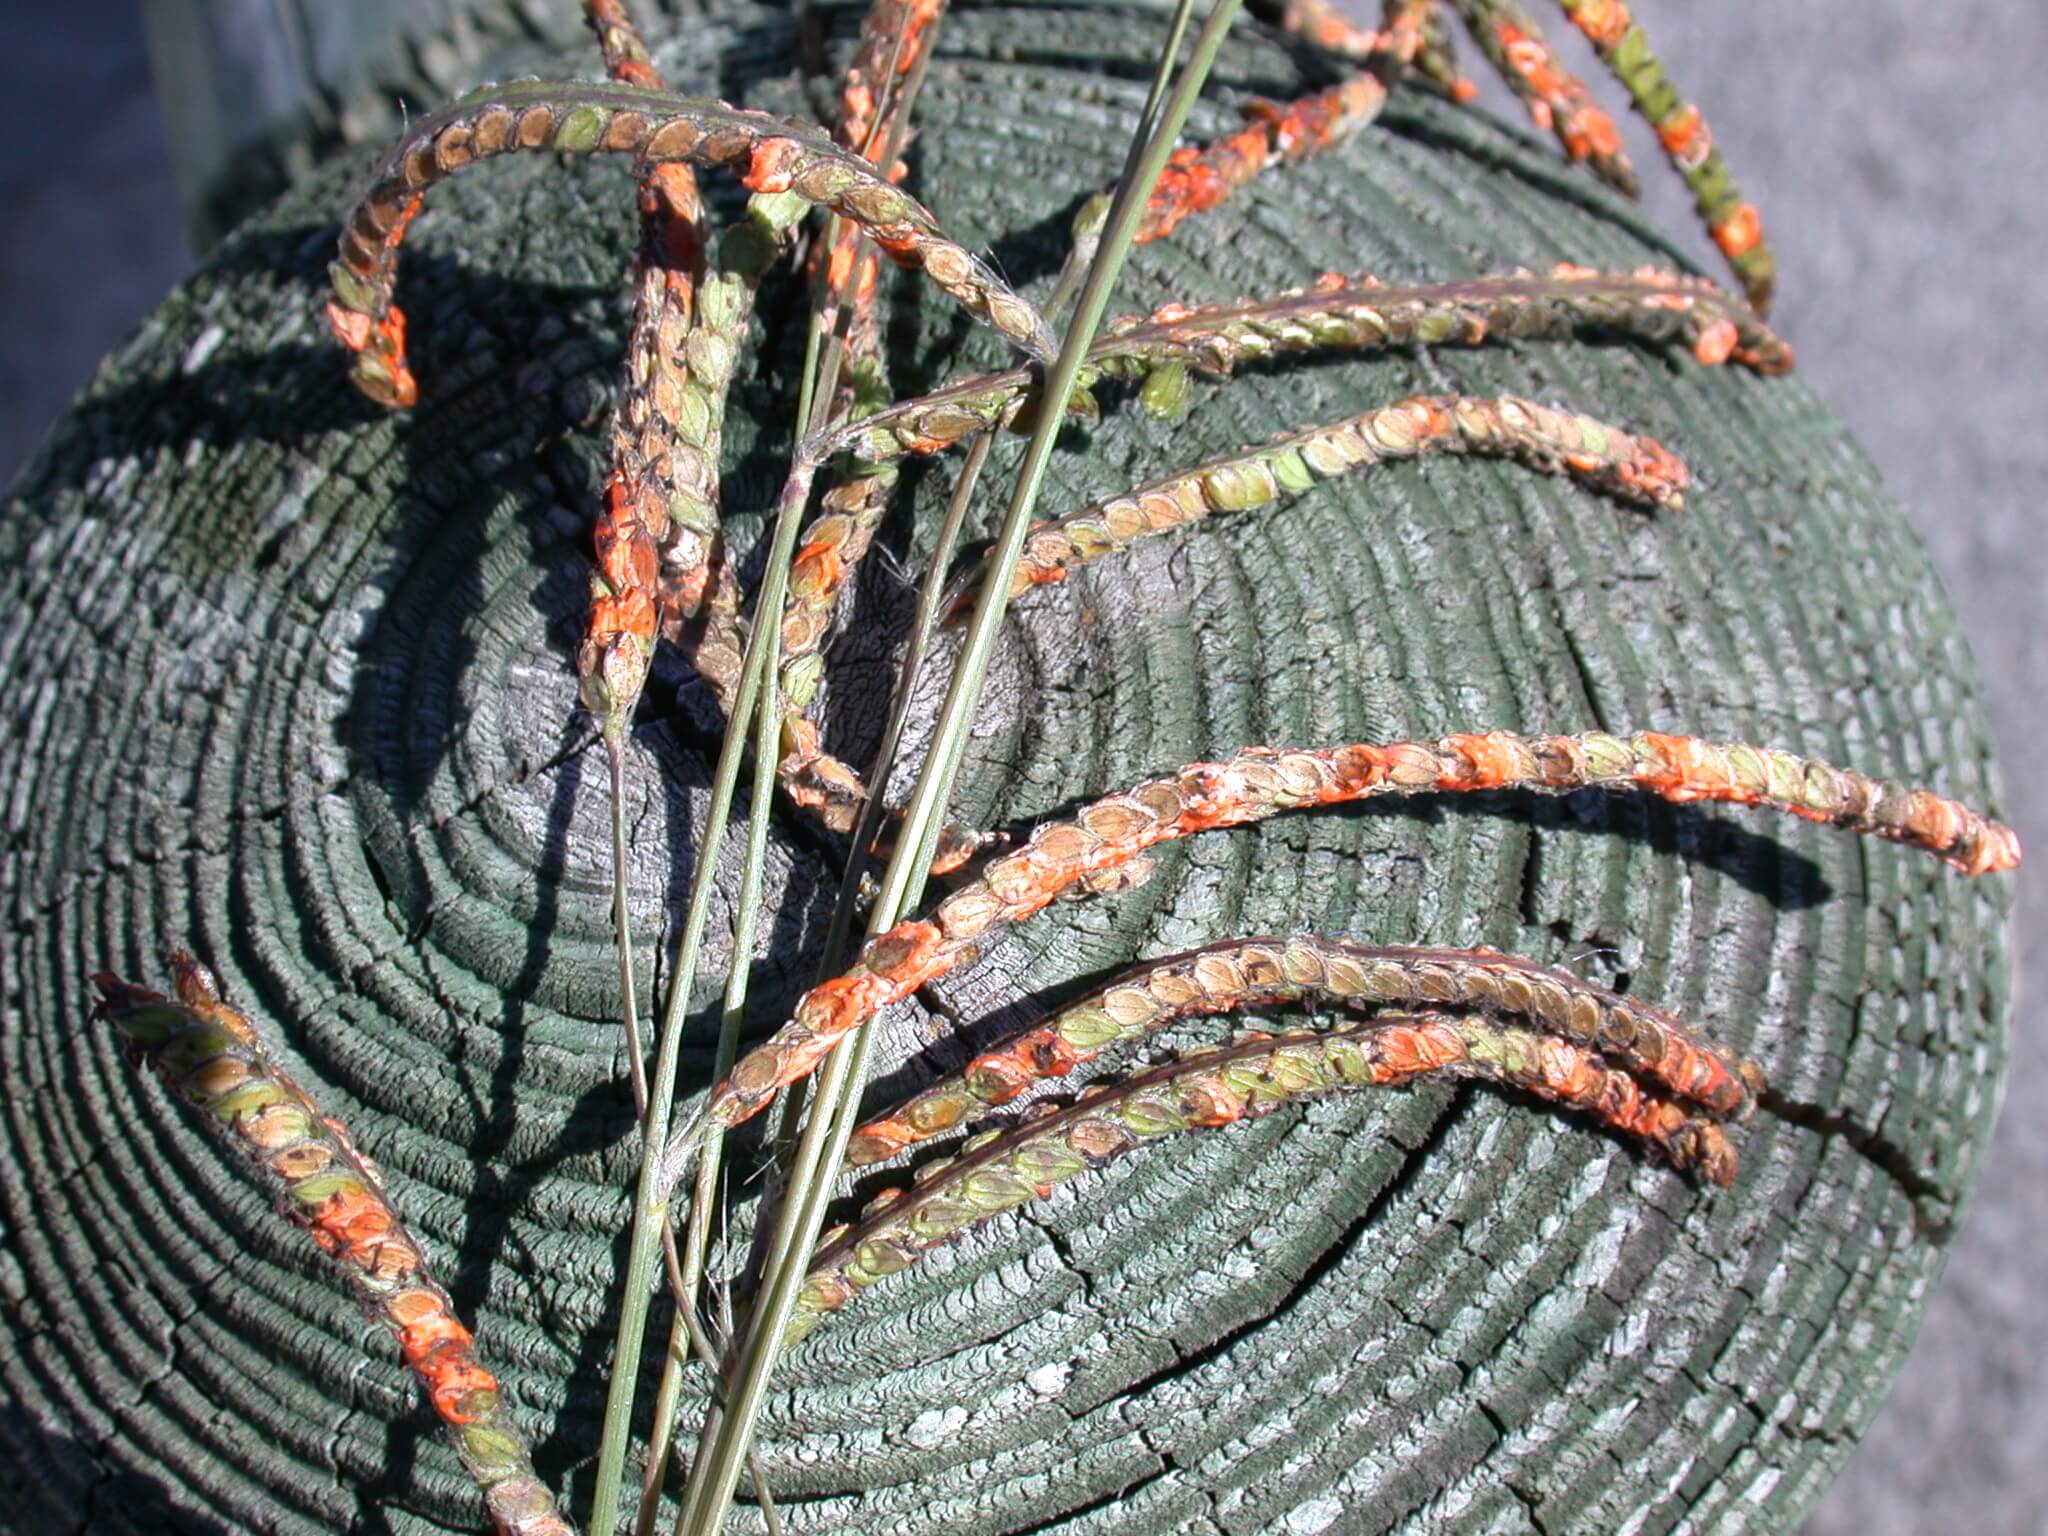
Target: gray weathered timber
[[290, 682], [254, 91]]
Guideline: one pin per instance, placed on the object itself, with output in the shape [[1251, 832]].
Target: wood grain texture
[[291, 682]]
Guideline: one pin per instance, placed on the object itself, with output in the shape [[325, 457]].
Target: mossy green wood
[[290, 681]]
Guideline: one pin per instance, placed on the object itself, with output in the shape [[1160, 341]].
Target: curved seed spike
[[661, 505], [1558, 100], [1196, 180], [1330, 29], [658, 533], [1338, 314], [661, 492], [768, 154], [1219, 1087], [876, 96], [1261, 782], [1688, 142], [625, 56], [1363, 314], [1633, 468], [211, 1056], [1419, 34], [1258, 973]]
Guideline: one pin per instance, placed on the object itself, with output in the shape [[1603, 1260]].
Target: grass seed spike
[[1339, 314], [211, 1056], [1257, 973], [1002, 1169], [1734, 224], [1630, 468], [1261, 782], [768, 154], [1558, 100]]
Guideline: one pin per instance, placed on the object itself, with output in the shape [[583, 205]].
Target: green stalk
[[746, 922], [927, 802], [697, 1237], [1162, 78], [894, 104], [1087, 240], [681, 1337], [1090, 221], [650, 1206], [924, 624], [716, 1472], [622, 917], [813, 393]]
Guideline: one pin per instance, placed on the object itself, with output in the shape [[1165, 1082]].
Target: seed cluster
[[1000, 1170], [1262, 782], [1357, 314], [768, 153], [1556, 442], [1257, 973], [212, 1057], [661, 493]]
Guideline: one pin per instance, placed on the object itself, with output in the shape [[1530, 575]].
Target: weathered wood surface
[[289, 681], [255, 91]]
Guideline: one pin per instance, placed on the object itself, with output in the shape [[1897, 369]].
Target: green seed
[[323, 1187], [245, 1100], [1239, 487], [1166, 391], [1088, 1027], [1153, 1115], [579, 130], [1290, 470]]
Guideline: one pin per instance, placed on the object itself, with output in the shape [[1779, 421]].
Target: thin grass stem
[[650, 1206], [716, 1472]]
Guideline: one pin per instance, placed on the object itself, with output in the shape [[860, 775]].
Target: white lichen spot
[[1489, 1139], [934, 1427], [1313, 1515], [1761, 1485], [203, 347], [1610, 1422], [1600, 1256], [1050, 1380]]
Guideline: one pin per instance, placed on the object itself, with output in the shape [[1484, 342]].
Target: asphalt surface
[[1891, 148]]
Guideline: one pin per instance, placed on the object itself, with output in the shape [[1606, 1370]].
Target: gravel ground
[[1883, 151]]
